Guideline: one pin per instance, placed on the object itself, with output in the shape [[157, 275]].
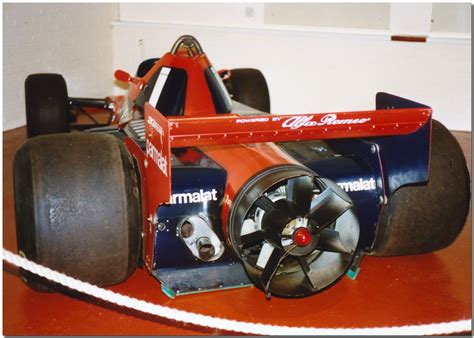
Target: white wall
[[309, 69], [230, 14], [318, 70], [355, 15], [451, 17], [72, 39], [410, 18]]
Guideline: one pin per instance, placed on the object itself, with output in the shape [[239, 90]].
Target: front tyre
[[248, 86], [47, 104]]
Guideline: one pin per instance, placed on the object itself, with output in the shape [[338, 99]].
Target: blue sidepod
[[369, 170], [179, 271], [170, 250]]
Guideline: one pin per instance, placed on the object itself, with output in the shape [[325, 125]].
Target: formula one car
[[193, 180]]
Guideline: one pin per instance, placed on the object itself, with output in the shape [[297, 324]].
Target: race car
[[195, 181]]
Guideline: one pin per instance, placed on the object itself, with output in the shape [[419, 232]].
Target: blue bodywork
[[370, 170]]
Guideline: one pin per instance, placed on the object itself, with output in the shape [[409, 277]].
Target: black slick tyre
[[248, 86], [77, 207], [47, 104], [428, 217]]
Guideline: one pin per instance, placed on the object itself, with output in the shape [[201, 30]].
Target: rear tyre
[[47, 104], [428, 217], [77, 207], [248, 86], [36, 282]]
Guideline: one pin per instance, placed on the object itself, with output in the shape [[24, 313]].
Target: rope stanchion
[[221, 323]]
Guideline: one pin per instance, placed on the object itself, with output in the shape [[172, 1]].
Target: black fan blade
[[329, 206], [330, 240], [252, 239], [306, 269], [272, 266], [263, 202], [276, 217], [299, 190]]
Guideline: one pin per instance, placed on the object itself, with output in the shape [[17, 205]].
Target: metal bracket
[[177, 282], [355, 266]]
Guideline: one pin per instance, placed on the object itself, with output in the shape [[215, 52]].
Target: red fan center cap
[[302, 237]]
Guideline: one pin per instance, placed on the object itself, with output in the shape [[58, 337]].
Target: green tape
[[167, 291], [352, 274]]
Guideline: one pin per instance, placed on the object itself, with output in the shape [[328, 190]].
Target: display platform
[[389, 291]]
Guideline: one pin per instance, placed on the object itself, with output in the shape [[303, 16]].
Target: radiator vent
[[137, 128]]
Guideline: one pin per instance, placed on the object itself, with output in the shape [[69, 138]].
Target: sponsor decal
[[155, 125], [253, 120], [157, 156], [194, 197], [359, 185], [327, 120]]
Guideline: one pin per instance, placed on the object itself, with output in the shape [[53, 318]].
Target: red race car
[[194, 180]]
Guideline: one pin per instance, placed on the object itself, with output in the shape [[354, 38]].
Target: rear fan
[[298, 237]]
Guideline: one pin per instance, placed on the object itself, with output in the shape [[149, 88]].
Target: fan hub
[[302, 237], [296, 238], [294, 224]]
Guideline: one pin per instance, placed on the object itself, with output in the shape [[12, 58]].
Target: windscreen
[[220, 96], [169, 91]]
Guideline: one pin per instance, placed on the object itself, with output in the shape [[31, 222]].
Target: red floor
[[392, 291]]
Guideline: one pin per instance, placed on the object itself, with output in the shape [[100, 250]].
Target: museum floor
[[390, 291]]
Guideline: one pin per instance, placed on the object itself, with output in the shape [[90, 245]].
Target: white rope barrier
[[226, 324]]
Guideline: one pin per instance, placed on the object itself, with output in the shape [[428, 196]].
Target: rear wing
[[163, 133]]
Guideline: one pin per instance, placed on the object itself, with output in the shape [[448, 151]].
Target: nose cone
[[302, 237]]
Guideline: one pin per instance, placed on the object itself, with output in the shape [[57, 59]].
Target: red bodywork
[[231, 139]]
